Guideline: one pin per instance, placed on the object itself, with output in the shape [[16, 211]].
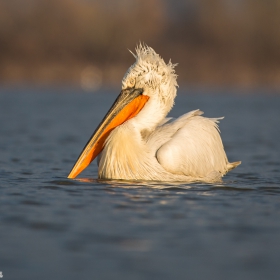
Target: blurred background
[[217, 43]]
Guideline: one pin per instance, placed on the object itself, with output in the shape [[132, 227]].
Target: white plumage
[[150, 147], [185, 149]]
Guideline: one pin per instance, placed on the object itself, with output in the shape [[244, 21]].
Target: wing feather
[[191, 146], [167, 128]]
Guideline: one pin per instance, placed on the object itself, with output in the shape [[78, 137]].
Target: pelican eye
[[131, 82]]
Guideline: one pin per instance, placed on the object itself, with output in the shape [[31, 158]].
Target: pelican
[[135, 140]]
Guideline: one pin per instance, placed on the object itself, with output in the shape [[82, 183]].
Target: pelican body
[[135, 140]]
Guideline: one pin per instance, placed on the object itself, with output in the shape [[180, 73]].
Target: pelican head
[[150, 73], [148, 91]]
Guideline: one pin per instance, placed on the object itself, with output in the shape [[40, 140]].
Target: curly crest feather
[[150, 69]]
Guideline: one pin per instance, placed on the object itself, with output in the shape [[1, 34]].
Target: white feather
[[151, 147]]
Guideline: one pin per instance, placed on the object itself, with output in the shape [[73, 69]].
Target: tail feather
[[232, 165]]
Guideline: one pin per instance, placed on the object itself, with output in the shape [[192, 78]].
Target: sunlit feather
[[149, 147]]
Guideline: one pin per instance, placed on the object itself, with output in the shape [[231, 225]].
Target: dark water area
[[55, 228]]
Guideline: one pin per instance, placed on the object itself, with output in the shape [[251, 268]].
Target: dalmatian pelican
[[135, 140]]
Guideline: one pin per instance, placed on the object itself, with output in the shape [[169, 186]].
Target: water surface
[[55, 228]]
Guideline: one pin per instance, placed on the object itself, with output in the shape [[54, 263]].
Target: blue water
[[55, 228]]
